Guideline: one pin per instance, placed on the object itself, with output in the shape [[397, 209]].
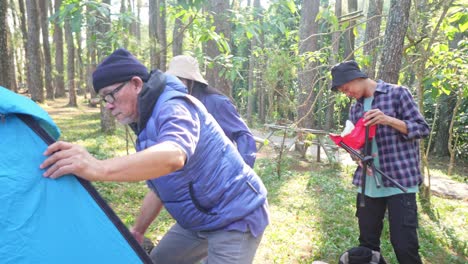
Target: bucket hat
[[345, 72], [186, 67]]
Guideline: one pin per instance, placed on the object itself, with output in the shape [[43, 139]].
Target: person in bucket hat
[[395, 149], [192, 169], [218, 105]]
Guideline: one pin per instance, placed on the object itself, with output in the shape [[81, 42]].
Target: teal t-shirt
[[371, 187]]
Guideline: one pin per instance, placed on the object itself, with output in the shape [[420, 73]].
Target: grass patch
[[312, 204]]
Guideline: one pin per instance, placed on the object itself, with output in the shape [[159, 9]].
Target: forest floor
[[311, 203]]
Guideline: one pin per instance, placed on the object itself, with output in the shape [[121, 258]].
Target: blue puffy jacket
[[215, 188]]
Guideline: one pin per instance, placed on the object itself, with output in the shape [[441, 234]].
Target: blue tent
[[50, 221]]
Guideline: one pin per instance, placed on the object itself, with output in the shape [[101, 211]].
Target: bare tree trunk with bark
[[372, 36], [223, 27], [103, 27], [35, 84], [153, 32], [59, 65], [397, 25], [4, 54], [253, 65], [308, 75], [92, 55], [70, 64], [349, 37], [162, 36], [334, 58], [453, 141], [177, 35], [49, 86]]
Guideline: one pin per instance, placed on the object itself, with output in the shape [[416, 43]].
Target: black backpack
[[361, 255]]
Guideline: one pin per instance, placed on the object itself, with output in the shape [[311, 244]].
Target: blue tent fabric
[[51, 221]]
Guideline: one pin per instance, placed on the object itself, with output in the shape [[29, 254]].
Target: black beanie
[[118, 67], [345, 72]]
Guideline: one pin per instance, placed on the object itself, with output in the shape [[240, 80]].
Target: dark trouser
[[403, 222]]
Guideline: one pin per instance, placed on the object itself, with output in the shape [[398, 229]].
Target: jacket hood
[[157, 83]]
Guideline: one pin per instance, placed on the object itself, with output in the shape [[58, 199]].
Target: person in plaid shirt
[[395, 149]]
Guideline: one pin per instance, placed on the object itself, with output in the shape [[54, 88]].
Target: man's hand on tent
[[66, 158]]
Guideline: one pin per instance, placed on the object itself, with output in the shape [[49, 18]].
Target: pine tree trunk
[[349, 37], [334, 59], [4, 78], [397, 25], [162, 37], [374, 20], [34, 66], [103, 27], [177, 35], [153, 32], [308, 75], [59, 64], [70, 64], [253, 65], [223, 27], [49, 86]]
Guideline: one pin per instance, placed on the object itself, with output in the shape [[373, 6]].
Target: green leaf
[[463, 27]]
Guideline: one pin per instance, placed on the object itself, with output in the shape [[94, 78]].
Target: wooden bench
[[300, 141]]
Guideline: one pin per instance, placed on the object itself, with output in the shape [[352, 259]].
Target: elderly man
[[191, 167]]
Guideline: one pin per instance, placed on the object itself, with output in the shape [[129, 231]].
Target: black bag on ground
[[361, 255]]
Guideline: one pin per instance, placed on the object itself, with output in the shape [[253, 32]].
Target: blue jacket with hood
[[215, 187]]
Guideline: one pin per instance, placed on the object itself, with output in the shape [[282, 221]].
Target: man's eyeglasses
[[109, 98]]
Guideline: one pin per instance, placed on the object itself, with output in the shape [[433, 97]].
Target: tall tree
[[371, 40], [153, 32], [70, 63], [11, 62], [214, 74], [177, 33], [79, 64], [334, 58], [103, 26], [308, 74], [46, 48], [257, 9], [137, 22], [397, 25], [15, 49], [349, 37], [123, 20], [4, 78], [23, 24], [35, 84], [91, 48], [134, 8], [162, 35], [59, 65]]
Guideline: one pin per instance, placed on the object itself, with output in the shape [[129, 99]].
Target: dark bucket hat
[[345, 72]]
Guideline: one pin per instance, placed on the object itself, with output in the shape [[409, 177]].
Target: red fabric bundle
[[357, 137]]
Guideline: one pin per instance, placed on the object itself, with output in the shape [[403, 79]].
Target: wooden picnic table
[[299, 135]]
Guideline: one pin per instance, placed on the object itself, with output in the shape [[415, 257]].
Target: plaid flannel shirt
[[398, 153]]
